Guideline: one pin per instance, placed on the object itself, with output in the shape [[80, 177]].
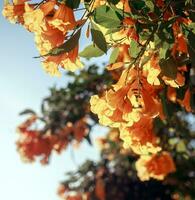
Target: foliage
[[147, 89]]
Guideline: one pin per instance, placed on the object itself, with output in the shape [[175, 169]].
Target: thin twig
[[140, 54]]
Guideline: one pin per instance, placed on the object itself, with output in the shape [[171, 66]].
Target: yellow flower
[[100, 107], [44, 46], [8, 13], [72, 66], [14, 12], [176, 83], [63, 19], [152, 70], [132, 117], [141, 168], [33, 19], [152, 77], [155, 166], [51, 68], [140, 137]]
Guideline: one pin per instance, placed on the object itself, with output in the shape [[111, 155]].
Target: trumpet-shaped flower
[[140, 137], [155, 166]]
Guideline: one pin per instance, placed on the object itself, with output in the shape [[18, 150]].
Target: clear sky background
[[23, 84]]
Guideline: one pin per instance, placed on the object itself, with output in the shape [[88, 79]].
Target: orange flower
[[179, 81], [152, 70], [155, 166], [100, 189], [186, 101], [171, 94], [74, 197], [48, 39], [123, 57], [14, 12], [33, 19], [49, 34], [124, 4], [80, 129], [127, 102], [33, 144], [180, 44], [69, 61], [160, 3], [114, 108], [140, 137], [63, 19], [62, 189]]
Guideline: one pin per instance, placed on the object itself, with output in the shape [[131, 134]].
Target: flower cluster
[[155, 166], [66, 194], [132, 104], [50, 22], [34, 143]]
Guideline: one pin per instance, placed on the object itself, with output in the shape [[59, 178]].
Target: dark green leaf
[[113, 1], [27, 111], [87, 137], [99, 39], [169, 67], [191, 47], [72, 3], [138, 5]]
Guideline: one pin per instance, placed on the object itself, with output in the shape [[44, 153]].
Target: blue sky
[[23, 84]]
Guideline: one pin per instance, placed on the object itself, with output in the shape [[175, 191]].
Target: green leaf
[[173, 141], [72, 4], [112, 30], [91, 51], [138, 5], [134, 49], [113, 1], [150, 5], [191, 26], [69, 45], [114, 55], [163, 50], [87, 137], [191, 47], [98, 38], [169, 67], [167, 109], [27, 111], [181, 147], [188, 2], [107, 17]]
